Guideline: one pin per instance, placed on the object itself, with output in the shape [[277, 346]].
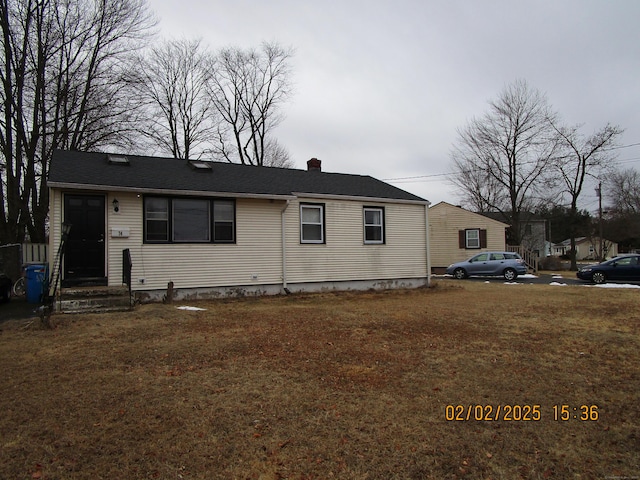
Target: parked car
[[622, 267], [5, 288], [506, 264]]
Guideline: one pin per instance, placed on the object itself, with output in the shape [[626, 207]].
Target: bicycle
[[19, 288]]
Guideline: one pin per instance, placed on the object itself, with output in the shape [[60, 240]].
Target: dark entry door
[[85, 247]]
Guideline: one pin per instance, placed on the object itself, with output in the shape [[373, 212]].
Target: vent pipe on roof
[[314, 165]]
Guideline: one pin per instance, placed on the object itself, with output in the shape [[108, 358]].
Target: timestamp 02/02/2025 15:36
[[520, 413]]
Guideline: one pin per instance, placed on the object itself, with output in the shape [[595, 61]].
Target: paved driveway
[[539, 279], [17, 309]]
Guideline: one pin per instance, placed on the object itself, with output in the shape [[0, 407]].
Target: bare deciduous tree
[[61, 88], [623, 190], [501, 159], [247, 89], [171, 80], [581, 156]]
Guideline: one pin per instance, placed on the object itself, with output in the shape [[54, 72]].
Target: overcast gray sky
[[382, 86]]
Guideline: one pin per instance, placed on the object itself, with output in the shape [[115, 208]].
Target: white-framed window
[[373, 225], [312, 223], [472, 238]]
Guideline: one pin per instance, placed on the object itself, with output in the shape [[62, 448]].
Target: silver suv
[[506, 264]]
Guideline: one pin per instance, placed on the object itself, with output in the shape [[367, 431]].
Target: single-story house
[[217, 228], [587, 248], [456, 234], [533, 231]]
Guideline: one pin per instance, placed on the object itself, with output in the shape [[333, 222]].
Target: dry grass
[[349, 386]]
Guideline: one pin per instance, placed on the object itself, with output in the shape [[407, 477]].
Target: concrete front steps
[[93, 300]]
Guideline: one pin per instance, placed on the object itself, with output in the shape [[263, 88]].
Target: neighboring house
[[533, 231], [587, 248], [220, 229], [456, 234]]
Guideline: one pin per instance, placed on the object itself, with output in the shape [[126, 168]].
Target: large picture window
[[311, 223], [188, 220], [373, 225], [191, 220]]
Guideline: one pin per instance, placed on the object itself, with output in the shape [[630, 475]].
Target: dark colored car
[[5, 288], [621, 268], [506, 264]]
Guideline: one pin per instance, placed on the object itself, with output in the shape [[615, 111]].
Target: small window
[[200, 165], [117, 160], [156, 213], [497, 256], [373, 225], [473, 239], [223, 221], [311, 223]]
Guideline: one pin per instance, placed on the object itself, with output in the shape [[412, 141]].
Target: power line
[[425, 178]]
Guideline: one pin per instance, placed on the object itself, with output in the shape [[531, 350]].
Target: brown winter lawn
[[335, 385]]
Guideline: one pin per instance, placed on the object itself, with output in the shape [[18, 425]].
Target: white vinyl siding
[[343, 257], [445, 223], [256, 257]]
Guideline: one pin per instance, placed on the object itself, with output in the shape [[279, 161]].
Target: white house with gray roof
[[225, 229]]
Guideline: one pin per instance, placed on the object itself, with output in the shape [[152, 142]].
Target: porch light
[[116, 205], [66, 229]]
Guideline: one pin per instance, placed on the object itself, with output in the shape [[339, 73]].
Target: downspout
[[428, 243], [284, 248]]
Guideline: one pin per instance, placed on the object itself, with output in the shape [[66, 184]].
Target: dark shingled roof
[[93, 170]]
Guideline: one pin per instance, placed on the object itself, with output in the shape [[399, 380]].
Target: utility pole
[[599, 192]]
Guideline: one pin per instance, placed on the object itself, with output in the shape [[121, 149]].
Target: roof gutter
[[360, 198], [161, 191]]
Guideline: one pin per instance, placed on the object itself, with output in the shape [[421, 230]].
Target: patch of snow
[[512, 283], [558, 284], [615, 285], [528, 275], [192, 309]]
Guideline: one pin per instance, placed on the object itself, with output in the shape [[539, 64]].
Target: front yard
[[395, 384]]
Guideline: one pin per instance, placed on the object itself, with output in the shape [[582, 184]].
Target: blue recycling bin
[[36, 276]]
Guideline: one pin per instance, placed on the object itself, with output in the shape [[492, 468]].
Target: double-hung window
[[224, 214], [156, 218], [312, 223], [188, 220], [373, 225], [473, 238]]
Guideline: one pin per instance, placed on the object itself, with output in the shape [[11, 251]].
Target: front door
[[84, 253]]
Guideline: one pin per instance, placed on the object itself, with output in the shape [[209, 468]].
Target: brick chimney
[[314, 165]]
